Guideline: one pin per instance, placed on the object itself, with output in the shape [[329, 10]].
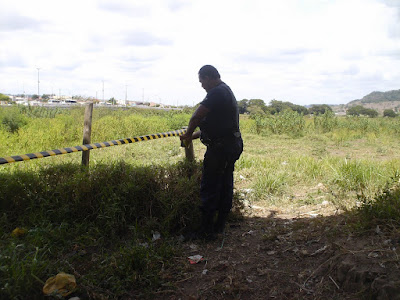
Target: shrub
[[13, 122], [389, 113], [325, 122], [287, 122], [384, 208]]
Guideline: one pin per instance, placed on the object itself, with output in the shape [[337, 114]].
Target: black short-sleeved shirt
[[223, 117]]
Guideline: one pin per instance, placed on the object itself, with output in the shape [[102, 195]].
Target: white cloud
[[305, 52]]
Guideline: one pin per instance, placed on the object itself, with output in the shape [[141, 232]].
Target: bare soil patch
[[273, 254]]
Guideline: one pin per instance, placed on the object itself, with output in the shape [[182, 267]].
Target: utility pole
[[38, 82], [103, 91], [126, 93]]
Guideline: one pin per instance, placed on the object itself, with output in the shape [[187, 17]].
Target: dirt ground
[[275, 254]]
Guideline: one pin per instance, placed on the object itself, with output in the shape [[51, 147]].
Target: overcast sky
[[302, 51]]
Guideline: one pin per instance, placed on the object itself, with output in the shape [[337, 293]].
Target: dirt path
[[278, 255]]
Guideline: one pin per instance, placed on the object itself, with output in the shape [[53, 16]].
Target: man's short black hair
[[209, 71]]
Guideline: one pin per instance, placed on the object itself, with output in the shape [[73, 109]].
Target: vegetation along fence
[[86, 147]]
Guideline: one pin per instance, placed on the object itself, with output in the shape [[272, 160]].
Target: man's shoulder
[[220, 89]]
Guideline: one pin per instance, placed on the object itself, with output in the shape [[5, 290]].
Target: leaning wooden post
[[87, 132], [189, 150]]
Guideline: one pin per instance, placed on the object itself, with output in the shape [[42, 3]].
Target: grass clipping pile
[[310, 252]]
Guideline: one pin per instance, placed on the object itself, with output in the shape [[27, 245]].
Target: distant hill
[[377, 97], [375, 100]]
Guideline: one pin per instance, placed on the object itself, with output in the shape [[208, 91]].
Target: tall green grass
[[98, 223], [65, 129], [383, 208]]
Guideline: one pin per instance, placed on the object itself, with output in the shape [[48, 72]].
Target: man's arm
[[195, 121], [196, 134]]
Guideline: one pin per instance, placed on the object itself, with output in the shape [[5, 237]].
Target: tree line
[[258, 107]]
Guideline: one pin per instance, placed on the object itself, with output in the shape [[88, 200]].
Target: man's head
[[209, 77]]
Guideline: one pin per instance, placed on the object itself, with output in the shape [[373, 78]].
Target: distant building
[[54, 101]]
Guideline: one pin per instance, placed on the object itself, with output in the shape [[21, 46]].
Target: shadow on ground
[[270, 255]]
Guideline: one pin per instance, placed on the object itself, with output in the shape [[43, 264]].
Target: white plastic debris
[[156, 236], [193, 247], [320, 250], [250, 232], [373, 255], [195, 259]]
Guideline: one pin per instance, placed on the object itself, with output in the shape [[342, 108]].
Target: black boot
[[219, 226], [207, 226], [206, 230]]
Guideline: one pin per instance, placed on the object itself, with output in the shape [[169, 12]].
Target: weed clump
[[13, 122], [384, 208], [97, 224], [286, 122]]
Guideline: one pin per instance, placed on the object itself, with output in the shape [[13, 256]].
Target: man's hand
[[195, 120], [187, 137]]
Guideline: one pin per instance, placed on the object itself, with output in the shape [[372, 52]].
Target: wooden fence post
[[87, 132], [189, 151]]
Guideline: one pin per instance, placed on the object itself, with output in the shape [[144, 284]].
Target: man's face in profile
[[205, 82]]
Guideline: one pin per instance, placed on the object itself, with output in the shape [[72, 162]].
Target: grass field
[[100, 223]]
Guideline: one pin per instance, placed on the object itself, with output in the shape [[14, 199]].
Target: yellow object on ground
[[18, 232], [63, 284]]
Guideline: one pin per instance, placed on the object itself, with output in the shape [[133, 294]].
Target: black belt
[[219, 141]]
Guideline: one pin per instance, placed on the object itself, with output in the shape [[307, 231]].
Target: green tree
[[389, 113], [360, 110], [255, 106], [257, 102], [299, 108], [4, 97], [276, 106], [255, 110], [370, 112], [319, 109], [354, 110], [242, 106], [34, 97]]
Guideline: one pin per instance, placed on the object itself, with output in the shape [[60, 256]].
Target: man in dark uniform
[[218, 119]]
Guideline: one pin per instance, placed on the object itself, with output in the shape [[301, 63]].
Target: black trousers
[[216, 190]]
